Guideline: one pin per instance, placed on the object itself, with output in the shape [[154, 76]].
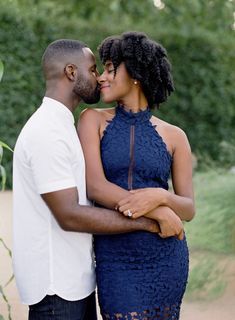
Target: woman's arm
[[102, 191], [182, 200], [99, 188]]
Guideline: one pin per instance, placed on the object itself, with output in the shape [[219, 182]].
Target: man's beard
[[94, 96], [85, 91]]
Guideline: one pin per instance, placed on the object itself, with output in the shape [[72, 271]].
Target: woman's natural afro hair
[[145, 61]]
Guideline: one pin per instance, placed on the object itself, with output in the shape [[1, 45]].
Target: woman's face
[[115, 88]]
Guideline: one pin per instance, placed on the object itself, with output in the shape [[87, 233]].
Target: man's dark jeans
[[56, 308]]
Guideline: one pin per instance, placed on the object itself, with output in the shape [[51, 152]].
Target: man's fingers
[[164, 235], [181, 235]]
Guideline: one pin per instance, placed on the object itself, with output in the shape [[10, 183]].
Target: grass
[[207, 277], [213, 227], [211, 234]]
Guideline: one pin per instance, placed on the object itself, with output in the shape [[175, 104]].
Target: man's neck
[[67, 99]]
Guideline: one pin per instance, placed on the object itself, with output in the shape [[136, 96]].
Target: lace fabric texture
[[139, 274], [157, 313]]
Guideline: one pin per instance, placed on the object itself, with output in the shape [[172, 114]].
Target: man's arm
[[74, 217]]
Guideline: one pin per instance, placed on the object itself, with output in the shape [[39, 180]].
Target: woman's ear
[[70, 71]]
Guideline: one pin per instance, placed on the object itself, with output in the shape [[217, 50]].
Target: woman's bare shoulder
[[167, 127], [99, 113]]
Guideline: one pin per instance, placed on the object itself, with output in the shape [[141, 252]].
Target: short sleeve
[[51, 164]]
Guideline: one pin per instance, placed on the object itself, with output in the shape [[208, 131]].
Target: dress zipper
[[130, 171]]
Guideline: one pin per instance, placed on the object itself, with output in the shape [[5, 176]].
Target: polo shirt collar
[[59, 108]]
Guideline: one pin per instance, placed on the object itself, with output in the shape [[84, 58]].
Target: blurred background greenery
[[199, 38]]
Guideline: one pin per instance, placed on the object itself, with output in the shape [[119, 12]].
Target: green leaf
[[3, 294], [7, 302], [4, 178], [1, 317], [1, 153], [1, 70], [9, 281], [5, 246], [5, 146]]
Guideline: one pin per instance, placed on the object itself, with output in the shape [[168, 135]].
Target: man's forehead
[[87, 50], [88, 54]]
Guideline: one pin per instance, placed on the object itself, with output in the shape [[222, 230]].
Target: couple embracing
[[131, 242]]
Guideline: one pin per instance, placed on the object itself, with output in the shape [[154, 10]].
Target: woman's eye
[[110, 70]]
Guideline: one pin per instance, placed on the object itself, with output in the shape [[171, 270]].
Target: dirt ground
[[221, 309]]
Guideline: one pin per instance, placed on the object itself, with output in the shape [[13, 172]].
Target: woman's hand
[[170, 224], [141, 201]]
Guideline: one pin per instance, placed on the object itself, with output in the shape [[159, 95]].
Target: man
[[53, 222]]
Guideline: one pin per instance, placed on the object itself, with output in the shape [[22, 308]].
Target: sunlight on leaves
[[5, 146], [1, 70], [3, 175]]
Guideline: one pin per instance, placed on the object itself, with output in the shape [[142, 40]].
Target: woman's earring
[[135, 82]]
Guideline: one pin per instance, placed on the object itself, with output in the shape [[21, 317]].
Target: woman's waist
[[136, 243], [137, 251]]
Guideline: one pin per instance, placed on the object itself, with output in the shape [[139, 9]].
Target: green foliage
[[2, 169], [187, 15], [3, 175], [213, 227], [4, 145], [204, 101], [197, 34], [211, 234], [1, 70], [206, 277], [227, 153], [7, 302]]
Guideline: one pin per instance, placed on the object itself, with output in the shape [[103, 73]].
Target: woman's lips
[[104, 87]]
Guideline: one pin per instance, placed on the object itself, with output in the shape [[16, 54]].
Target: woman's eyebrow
[[108, 64]]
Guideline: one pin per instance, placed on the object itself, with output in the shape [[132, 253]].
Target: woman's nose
[[101, 78]]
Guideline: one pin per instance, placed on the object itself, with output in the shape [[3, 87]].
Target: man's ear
[[70, 71]]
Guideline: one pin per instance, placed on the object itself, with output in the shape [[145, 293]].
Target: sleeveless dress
[[139, 274]]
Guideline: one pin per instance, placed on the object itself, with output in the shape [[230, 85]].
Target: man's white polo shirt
[[48, 157]]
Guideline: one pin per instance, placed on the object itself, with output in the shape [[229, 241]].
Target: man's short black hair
[[60, 49], [145, 60]]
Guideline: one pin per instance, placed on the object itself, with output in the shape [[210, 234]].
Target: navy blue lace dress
[[139, 274]]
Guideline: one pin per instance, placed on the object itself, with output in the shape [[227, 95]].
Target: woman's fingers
[[131, 213], [124, 202], [124, 207]]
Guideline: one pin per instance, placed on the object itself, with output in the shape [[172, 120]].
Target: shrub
[[202, 105], [204, 100]]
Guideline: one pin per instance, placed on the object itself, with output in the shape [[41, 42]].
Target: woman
[[129, 156]]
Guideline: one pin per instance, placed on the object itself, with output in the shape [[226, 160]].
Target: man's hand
[[150, 225], [170, 224]]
